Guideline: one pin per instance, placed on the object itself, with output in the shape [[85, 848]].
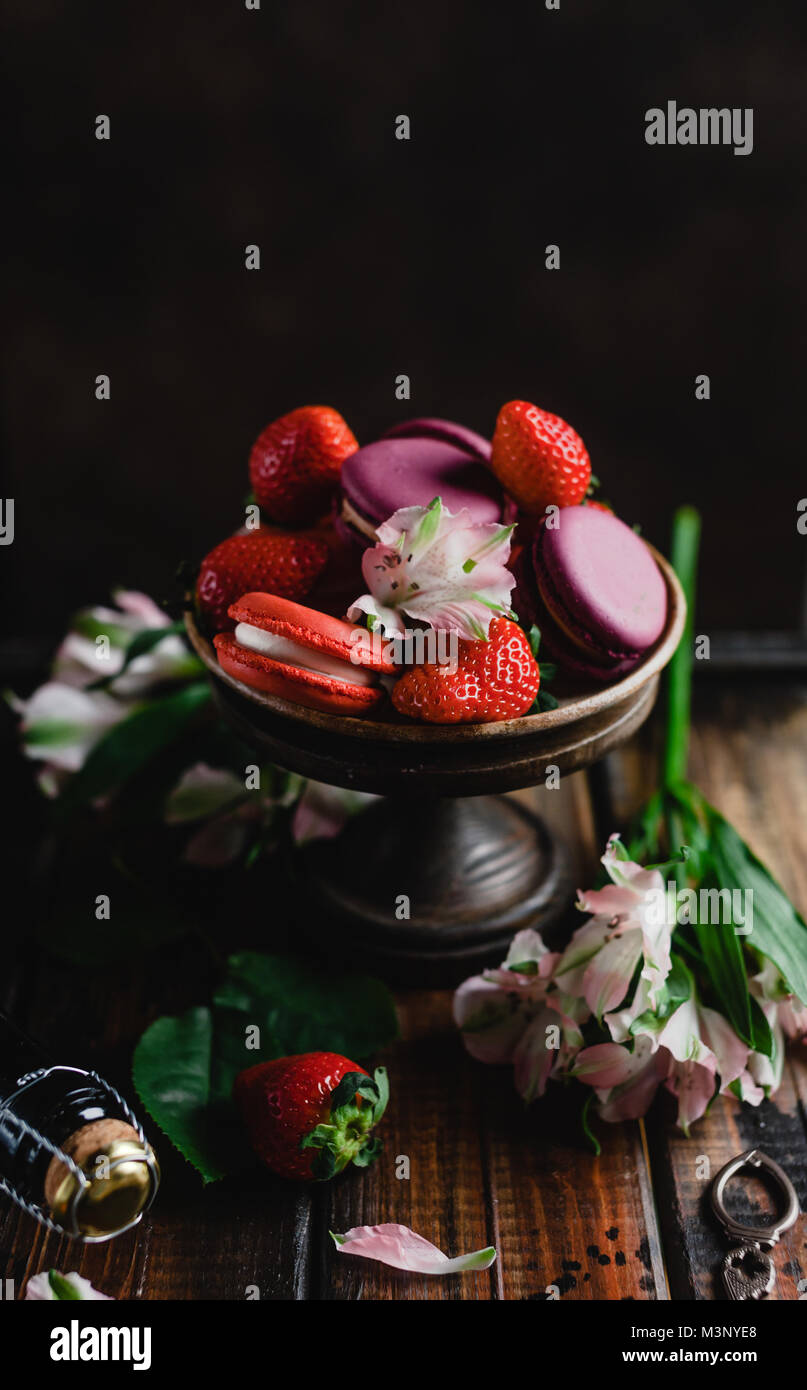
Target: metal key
[[747, 1269]]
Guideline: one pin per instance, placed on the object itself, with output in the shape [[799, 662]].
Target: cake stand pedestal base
[[431, 889]]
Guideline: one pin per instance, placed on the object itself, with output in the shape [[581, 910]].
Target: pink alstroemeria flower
[[515, 1015], [625, 1079], [690, 1052], [627, 927], [436, 567]]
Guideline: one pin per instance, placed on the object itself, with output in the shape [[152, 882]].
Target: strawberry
[[496, 679], [539, 459], [295, 463], [274, 562], [309, 1116]]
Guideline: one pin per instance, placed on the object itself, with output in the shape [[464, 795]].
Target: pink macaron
[[593, 588], [449, 431], [302, 655]]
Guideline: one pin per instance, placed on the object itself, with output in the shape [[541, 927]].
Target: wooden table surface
[[630, 1224]]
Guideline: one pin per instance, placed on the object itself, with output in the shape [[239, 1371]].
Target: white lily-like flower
[[64, 718], [61, 724], [436, 567], [96, 643]]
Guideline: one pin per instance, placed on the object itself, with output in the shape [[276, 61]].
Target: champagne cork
[[91, 1139]]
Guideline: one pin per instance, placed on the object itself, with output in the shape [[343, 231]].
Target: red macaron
[[304, 656]]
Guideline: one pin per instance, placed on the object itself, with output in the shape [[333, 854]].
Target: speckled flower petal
[[402, 1248]]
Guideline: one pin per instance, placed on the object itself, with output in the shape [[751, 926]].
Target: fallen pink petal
[[402, 1248]]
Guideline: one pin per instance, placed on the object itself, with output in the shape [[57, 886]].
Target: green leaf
[[764, 1041], [64, 1291], [778, 931], [142, 643], [184, 1068], [684, 555], [134, 742], [87, 625], [725, 966], [173, 1075], [309, 1009], [534, 636]]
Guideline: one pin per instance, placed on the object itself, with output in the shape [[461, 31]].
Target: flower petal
[[694, 1085], [607, 1064], [201, 791], [61, 724], [584, 945], [730, 1052], [322, 811], [533, 1058], [491, 1018], [607, 978], [49, 1288], [402, 1248]]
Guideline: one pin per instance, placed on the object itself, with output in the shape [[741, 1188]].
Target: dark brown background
[[380, 257]]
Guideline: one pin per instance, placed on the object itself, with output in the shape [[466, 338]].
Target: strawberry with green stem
[[309, 1116]]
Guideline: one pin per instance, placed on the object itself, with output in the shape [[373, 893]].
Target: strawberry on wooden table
[[296, 461], [494, 679], [309, 1116], [267, 561], [539, 459]]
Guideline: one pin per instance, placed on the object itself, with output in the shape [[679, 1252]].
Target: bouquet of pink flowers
[[687, 974]]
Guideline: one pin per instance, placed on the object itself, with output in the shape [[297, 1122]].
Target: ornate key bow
[[747, 1269]]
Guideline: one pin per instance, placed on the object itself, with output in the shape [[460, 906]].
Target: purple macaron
[[409, 470], [429, 427], [595, 591]]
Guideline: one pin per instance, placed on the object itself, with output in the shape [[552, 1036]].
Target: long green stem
[[684, 556]]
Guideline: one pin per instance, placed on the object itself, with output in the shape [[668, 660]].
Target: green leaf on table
[[184, 1068], [176, 1080], [141, 644], [128, 746], [778, 931], [307, 1008]]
